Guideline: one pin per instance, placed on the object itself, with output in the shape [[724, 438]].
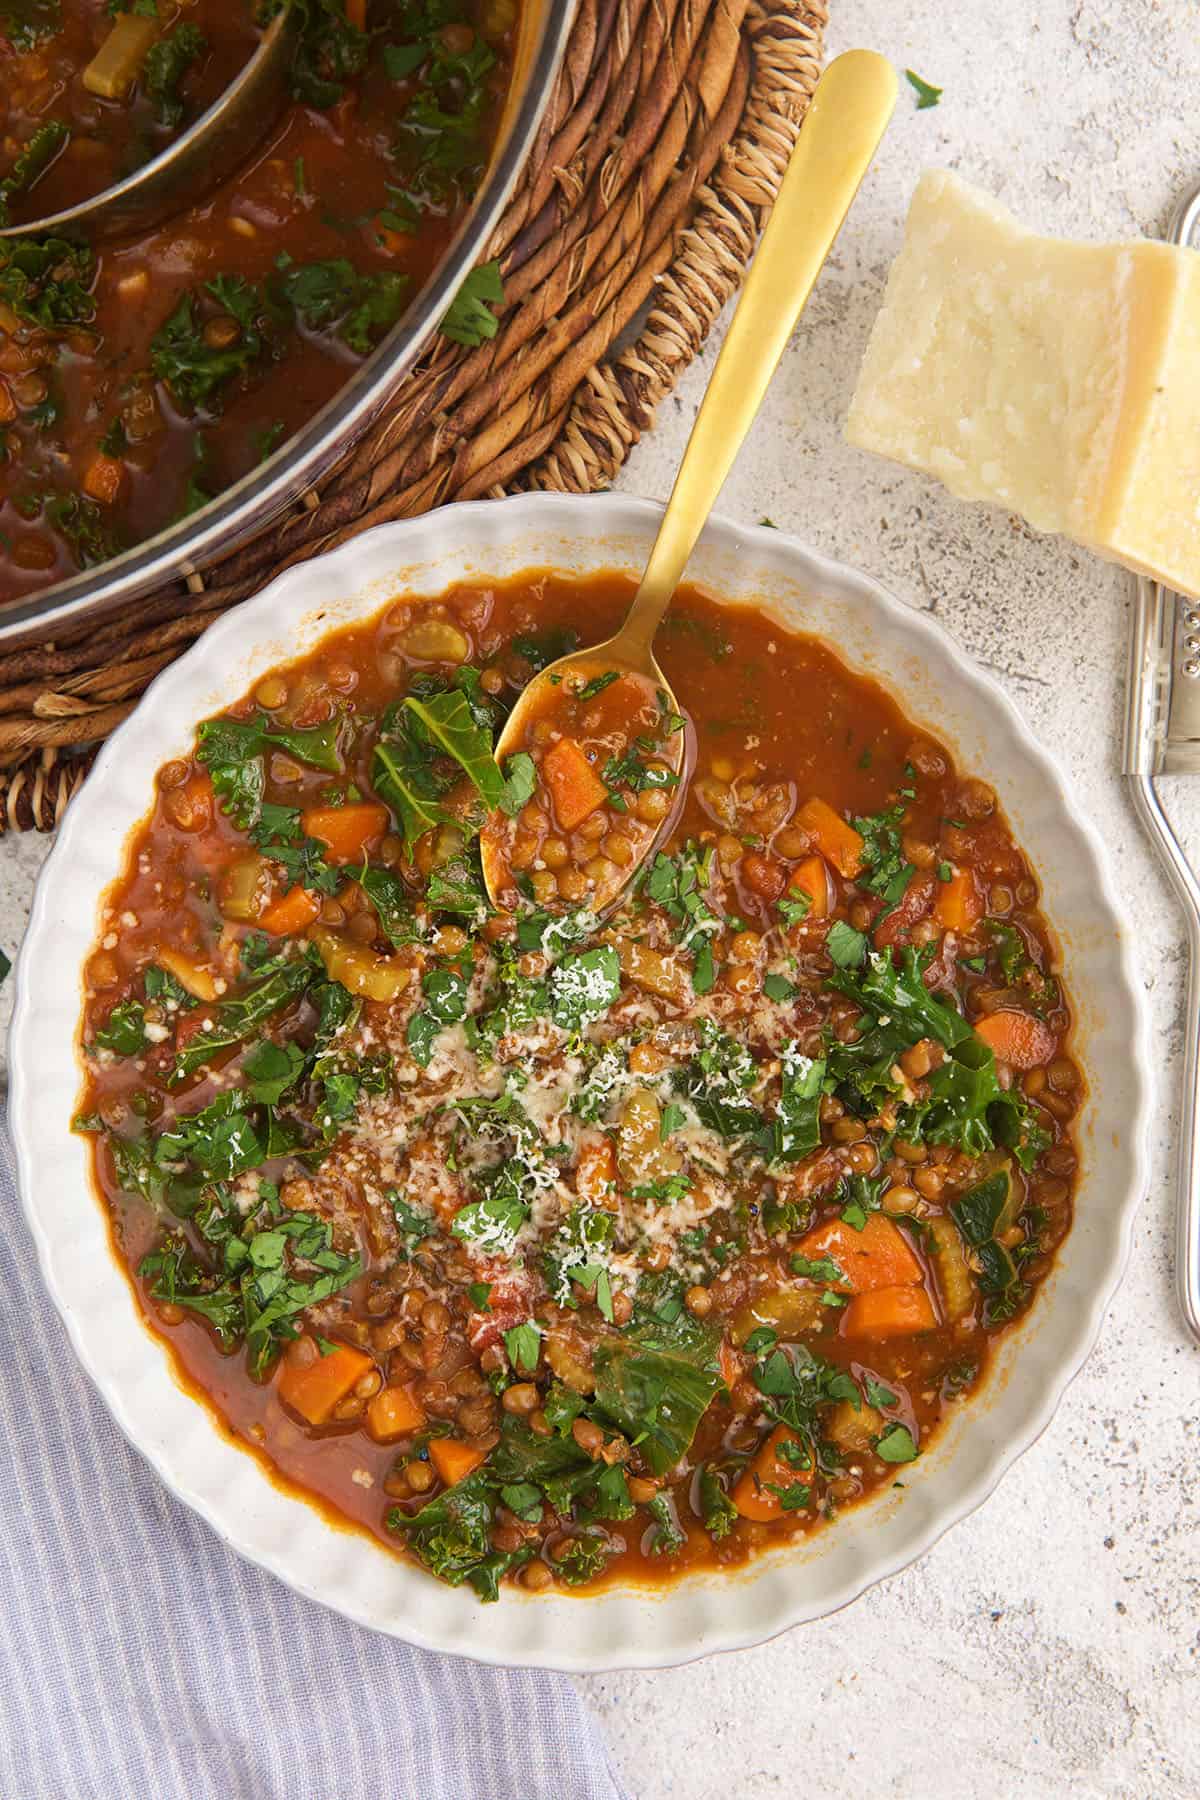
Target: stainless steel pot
[[251, 505]]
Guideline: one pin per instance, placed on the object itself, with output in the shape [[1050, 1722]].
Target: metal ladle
[[198, 160]]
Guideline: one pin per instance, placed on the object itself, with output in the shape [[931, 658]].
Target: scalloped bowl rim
[[625, 1627]]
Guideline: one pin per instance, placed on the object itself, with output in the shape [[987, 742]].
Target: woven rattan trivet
[[663, 146]]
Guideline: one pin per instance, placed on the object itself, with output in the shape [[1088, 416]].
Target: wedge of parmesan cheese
[[1059, 380]]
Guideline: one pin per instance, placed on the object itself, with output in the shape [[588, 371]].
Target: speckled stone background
[[1049, 1645]]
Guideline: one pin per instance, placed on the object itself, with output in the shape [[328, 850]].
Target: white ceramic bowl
[[625, 1627]]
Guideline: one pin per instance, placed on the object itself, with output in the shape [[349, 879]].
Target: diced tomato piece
[[190, 1024], [914, 904], [799, 1181], [510, 1302]]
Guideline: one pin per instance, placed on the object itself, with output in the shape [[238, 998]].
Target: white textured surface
[[1050, 1643]]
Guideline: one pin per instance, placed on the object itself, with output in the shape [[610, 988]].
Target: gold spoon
[[850, 111]]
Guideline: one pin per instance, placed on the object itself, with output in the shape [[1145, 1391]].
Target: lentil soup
[[555, 1246]]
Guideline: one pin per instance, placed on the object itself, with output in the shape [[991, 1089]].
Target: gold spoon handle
[[849, 114]]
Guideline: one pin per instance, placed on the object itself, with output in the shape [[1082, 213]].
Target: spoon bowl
[[627, 672]]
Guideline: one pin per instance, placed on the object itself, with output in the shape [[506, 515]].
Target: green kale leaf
[[166, 64]]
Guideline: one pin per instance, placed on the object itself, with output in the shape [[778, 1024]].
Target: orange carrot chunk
[[812, 878], [293, 913], [959, 904], [346, 831], [878, 1256], [103, 478], [313, 1389], [889, 1312], [453, 1459], [392, 1413], [575, 787], [837, 841], [595, 1172], [1018, 1039], [190, 807], [754, 1492]]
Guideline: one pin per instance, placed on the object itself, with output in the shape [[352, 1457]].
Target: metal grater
[[1162, 737]]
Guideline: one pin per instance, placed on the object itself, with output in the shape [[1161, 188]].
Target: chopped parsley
[[896, 1445], [794, 906], [523, 1344], [885, 870], [269, 1271], [583, 986], [125, 1032], [926, 94], [184, 356], [470, 319], [797, 1125], [334, 297], [28, 23], [846, 947]]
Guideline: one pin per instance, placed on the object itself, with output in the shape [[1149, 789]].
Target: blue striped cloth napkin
[[142, 1657]]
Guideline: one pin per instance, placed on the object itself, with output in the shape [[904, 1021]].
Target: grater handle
[[1148, 806], [1153, 706]]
